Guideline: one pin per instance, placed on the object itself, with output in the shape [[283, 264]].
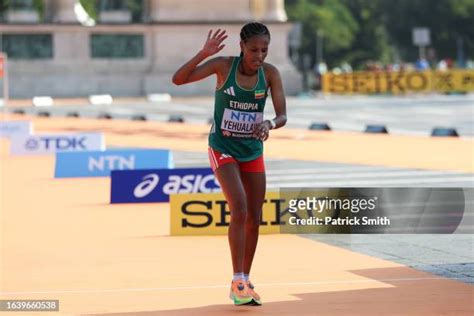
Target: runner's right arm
[[190, 71]]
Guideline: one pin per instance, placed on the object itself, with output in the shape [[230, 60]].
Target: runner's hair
[[252, 29]]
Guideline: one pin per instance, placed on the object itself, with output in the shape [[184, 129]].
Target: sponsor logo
[[140, 186], [111, 162], [149, 183], [456, 80], [12, 128], [209, 214], [101, 163], [31, 144], [224, 156], [56, 143], [188, 184], [50, 144], [230, 91]]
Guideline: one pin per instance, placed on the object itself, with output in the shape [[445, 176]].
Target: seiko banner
[[12, 128], [101, 163], [144, 186], [335, 211], [209, 214], [51, 144]]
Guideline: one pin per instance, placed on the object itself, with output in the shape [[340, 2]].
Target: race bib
[[239, 123]]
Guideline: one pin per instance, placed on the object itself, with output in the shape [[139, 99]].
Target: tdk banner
[[50, 144], [144, 186], [101, 163], [12, 128]]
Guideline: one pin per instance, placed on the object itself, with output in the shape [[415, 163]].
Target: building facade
[[62, 51]]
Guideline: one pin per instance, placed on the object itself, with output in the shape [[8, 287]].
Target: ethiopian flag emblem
[[259, 94]]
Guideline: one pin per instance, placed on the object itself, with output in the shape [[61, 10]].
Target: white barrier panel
[[101, 99], [43, 101], [12, 128], [159, 97], [51, 144]]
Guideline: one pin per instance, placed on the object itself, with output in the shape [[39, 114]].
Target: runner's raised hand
[[213, 43]]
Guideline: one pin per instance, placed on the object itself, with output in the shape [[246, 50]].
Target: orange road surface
[[61, 239]]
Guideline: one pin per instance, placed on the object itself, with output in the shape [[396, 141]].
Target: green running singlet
[[237, 111]]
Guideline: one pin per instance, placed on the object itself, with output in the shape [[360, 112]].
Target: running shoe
[[239, 293], [256, 298]]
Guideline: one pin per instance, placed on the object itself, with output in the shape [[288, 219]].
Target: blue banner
[[101, 163], [144, 186]]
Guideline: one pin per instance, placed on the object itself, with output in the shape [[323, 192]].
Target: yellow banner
[[399, 82], [454, 81], [208, 214]]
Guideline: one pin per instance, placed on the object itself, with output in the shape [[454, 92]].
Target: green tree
[[359, 30], [330, 17], [135, 7], [372, 40], [448, 21], [90, 7]]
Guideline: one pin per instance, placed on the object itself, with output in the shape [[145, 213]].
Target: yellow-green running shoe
[[239, 293], [256, 298]]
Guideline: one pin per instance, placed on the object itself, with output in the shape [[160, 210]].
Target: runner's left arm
[[279, 103]]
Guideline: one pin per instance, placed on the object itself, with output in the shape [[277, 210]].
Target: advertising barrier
[[456, 80], [51, 144], [101, 163], [335, 211], [208, 214], [145, 186], [14, 128]]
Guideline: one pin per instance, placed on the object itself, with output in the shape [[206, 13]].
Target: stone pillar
[[71, 46], [275, 11], [258, 9], [64, 11], [199, 11], [152, 10], [173, 45]]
